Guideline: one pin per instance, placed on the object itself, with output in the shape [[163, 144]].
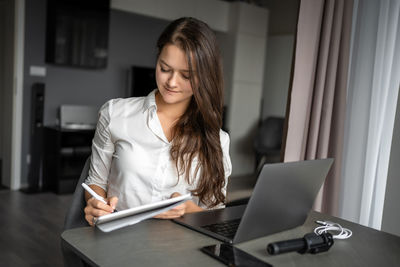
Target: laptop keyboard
[[227, 228]]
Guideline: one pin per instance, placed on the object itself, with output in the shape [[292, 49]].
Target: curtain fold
[[318, 94]]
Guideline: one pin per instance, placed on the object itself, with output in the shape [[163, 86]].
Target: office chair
[[268, 141], [75, 218], [75, 215]]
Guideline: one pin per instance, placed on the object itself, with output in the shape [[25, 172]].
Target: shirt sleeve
[[102, 149], [225, 141]]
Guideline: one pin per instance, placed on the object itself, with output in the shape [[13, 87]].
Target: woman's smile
[[170, 90]]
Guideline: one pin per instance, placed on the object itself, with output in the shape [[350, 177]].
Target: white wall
[[277, 74], [227, 49], [391, 211], [248, 27]]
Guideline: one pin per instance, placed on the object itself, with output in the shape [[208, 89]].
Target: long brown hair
[[197, 132]]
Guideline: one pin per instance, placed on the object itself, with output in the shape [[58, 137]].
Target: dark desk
[[66, 151], [164, 243]]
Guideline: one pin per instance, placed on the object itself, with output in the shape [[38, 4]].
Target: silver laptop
[[281, 199]]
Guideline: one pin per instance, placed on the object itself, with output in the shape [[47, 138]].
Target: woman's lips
[[170, 91]]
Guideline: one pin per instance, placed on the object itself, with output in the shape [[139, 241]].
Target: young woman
[[169, 143]]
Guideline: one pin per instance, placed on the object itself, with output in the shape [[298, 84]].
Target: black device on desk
[[282, 197], [232, 256], [310, 243]]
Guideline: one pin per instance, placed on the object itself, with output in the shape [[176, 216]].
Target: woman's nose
[[172, 81]]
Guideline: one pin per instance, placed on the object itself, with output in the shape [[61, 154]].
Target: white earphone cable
[[342, 233]]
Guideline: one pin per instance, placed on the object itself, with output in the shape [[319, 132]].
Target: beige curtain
[[316, 112]]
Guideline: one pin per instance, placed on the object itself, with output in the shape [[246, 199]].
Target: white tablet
[[119, 219]]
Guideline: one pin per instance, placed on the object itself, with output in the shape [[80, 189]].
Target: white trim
[[19, 26]]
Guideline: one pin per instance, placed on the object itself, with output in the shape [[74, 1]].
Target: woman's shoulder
[[118, 106], [129, 105], [125, 102]]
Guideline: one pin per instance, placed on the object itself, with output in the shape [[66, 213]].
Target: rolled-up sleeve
[[225, 141], [102, 149], [226, 158]]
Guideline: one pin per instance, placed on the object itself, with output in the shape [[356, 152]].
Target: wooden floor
[[30, 228]]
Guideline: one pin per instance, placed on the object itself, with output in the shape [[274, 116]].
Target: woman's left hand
[[175, 212]]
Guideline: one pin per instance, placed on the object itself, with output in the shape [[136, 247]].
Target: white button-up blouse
[[131, 155]]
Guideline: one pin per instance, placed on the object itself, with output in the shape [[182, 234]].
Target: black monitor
[[142, 81]]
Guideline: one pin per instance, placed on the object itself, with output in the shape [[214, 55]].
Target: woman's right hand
[[95, 208]]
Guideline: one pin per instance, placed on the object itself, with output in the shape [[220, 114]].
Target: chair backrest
[[74, 218], [75, 215], [269, 135]]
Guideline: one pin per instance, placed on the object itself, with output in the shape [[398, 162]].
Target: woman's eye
[[185, 77], [163, 70]]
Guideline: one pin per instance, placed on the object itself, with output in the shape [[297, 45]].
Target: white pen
[[94, 194]]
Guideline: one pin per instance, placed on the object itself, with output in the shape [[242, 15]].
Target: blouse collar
[[150, 100]]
